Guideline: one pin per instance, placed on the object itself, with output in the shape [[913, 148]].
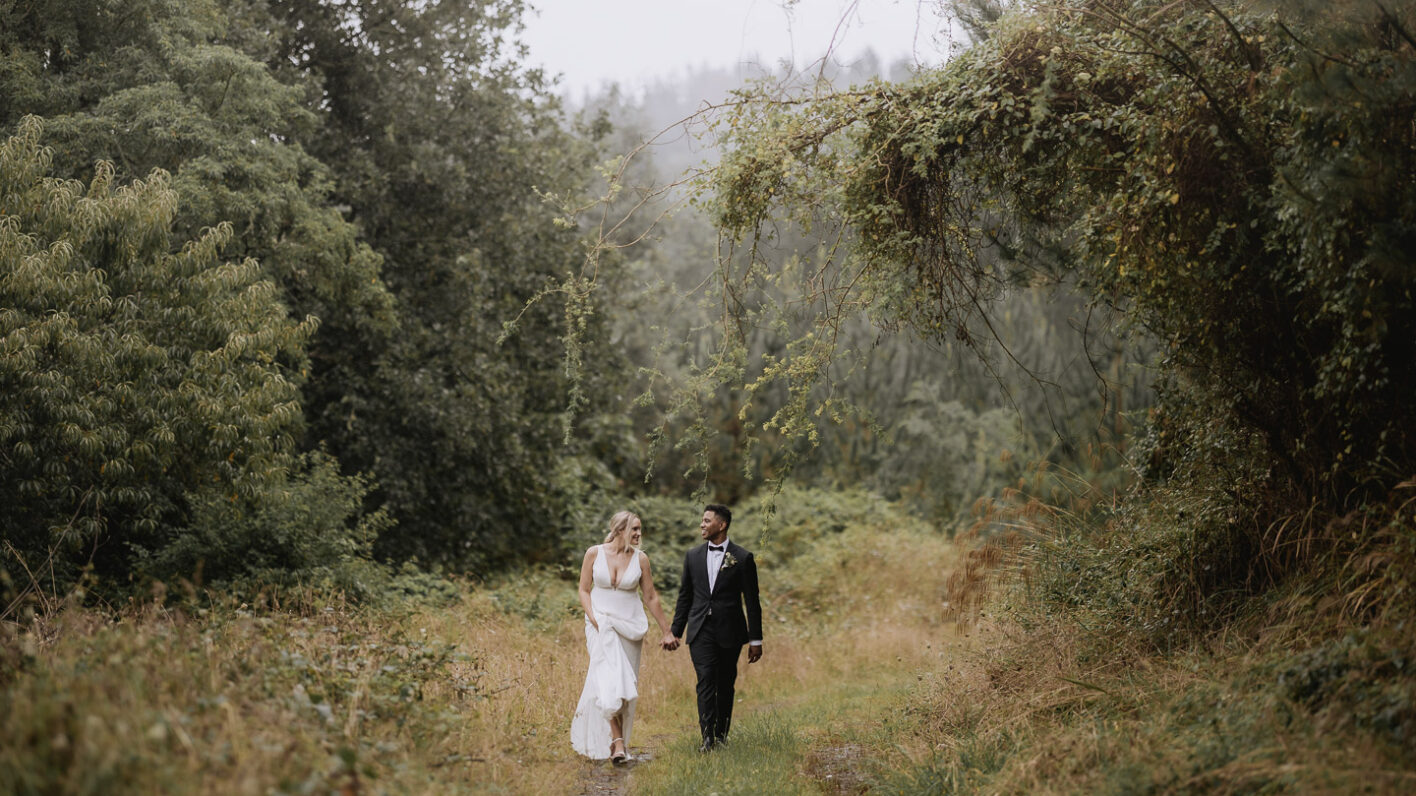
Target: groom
[[719, 580]]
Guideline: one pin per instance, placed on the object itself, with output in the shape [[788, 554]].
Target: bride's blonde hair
[[619, 527]]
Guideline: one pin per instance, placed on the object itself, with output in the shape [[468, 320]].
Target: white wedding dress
[[612, 681]]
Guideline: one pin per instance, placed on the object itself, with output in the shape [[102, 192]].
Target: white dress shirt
[[715, 563]]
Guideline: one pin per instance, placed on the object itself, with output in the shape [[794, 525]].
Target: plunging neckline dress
[[612, 680]]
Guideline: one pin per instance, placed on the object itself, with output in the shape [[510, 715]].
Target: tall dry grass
[[1102, 672], [1047, 712]]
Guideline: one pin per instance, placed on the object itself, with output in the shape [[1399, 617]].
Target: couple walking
[[719, 581]]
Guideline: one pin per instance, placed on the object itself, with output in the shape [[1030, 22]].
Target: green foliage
[[793, 521], [945, 455], [166, 84], [772, 365], [1362, 678], [1202, 546], [409, 584], [1233, 179], [778, 526], [154, 86], [298, 530], [166, 704], [135, 379], [1181, 556], [798, 534], [385, 165], [442, 147], [1156, 158]]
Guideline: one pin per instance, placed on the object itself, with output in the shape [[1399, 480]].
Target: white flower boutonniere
[[729, 561]]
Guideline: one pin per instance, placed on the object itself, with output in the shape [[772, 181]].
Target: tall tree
[[159, 84], [166, 84], [141, 383], [443, 147], [384, 162]]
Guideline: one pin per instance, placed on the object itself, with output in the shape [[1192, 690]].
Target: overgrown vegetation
[[1086, 142], [298, 310], [1232, 179], [372, 171], [150, 396]]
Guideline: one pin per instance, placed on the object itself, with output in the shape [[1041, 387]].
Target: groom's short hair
[[722, 511]]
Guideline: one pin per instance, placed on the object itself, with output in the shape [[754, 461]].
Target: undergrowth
[[1203, 633], [228, 699]]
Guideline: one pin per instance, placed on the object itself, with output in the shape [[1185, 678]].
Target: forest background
[[335, 307]]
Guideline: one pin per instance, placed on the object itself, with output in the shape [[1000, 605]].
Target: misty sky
[[595, 42]]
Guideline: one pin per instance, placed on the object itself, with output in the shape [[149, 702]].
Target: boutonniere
[[728, 560]]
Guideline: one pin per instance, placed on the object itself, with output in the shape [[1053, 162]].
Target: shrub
[[295, 532]]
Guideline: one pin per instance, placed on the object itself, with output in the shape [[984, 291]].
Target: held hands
[[669, 643]]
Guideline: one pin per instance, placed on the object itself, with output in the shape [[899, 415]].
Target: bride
[[611, 578]]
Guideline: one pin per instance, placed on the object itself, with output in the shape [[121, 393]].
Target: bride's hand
[[592, 622], [669, 643]]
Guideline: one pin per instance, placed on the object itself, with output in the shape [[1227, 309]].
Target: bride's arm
[[587, 582], [651, 599]]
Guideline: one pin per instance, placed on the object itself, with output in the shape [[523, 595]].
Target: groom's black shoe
[[707, 747]]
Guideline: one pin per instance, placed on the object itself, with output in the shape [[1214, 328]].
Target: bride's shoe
[[618, 758]]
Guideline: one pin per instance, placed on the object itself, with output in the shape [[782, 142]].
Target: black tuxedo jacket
[[720, 611]]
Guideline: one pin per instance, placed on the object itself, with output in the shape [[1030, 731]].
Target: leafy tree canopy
[[445, 148], [136, 379], [158, 84], [384, 166], [1236, 177]]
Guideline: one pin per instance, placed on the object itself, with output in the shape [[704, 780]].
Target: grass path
[[824, 708], [826, 724]]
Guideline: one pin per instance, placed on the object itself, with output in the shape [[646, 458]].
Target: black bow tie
[[716, 547]]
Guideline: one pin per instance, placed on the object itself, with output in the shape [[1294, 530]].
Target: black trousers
[[717, 672]]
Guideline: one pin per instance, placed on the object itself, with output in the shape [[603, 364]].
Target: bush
[[298, 531]]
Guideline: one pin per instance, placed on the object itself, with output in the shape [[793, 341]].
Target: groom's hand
[[669, 643], [754, 653]]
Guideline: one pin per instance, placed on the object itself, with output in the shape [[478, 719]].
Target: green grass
[[762, 757], [820, 724]]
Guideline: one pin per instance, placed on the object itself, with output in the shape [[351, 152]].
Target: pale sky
[[592, 43]]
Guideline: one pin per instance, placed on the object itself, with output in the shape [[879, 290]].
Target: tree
[[165, 84], [886, 401], [444, 149], [1234, 181], [138, 380], [385, 164]]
